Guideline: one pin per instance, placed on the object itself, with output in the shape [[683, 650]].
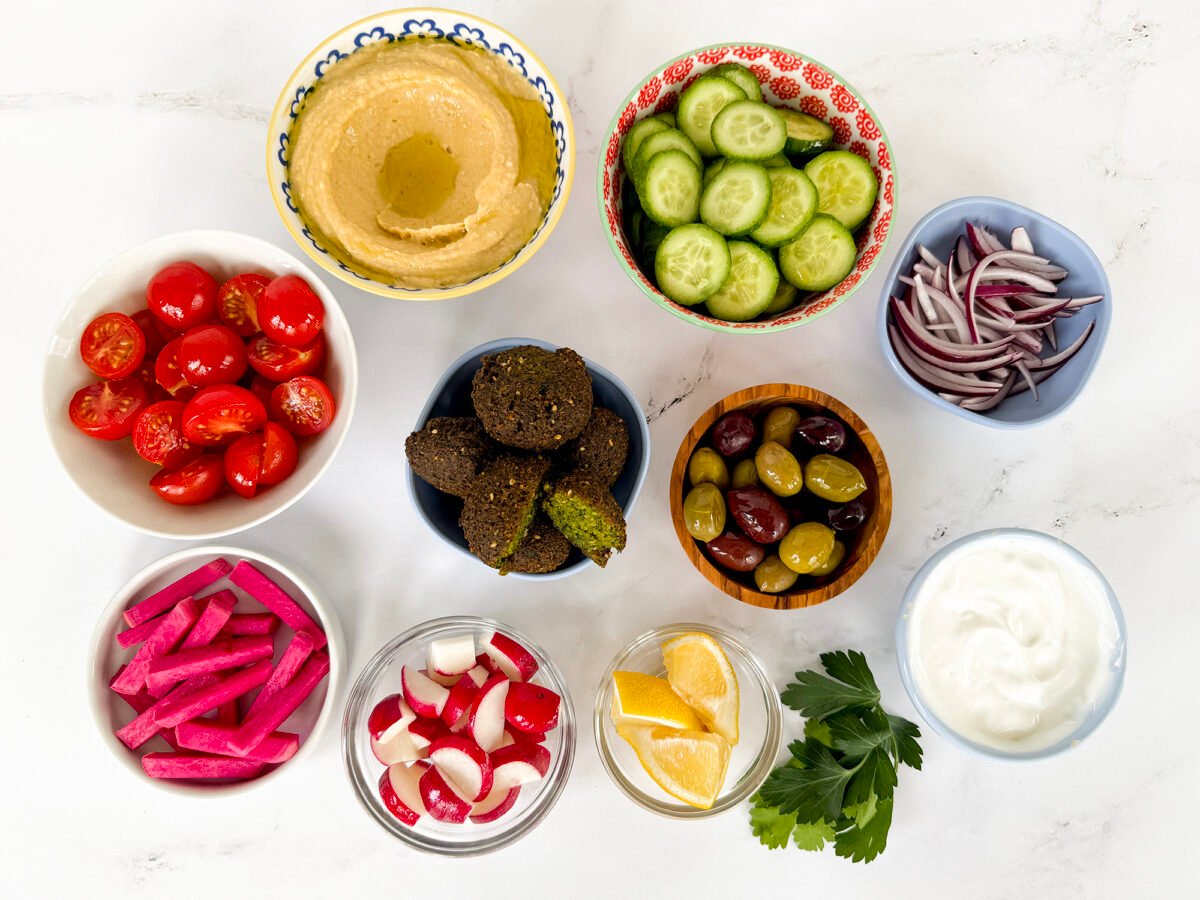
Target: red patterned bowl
[[788, 79]]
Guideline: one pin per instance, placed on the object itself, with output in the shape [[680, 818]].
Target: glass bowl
[[760, 725], [381, 677]]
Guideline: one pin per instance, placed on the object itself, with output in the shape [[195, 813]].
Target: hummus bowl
[[420, 154]]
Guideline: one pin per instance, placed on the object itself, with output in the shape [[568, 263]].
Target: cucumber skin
[[850, 226], [643, 155], [703, 296], [703, 142], [755, 311], [644, 187], [775, 244], [784, 256], [644, 127], [740, 74]]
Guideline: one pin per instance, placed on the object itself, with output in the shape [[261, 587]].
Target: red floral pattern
[[676, 72], [650, 90], [627, 118], [785, 62], [749, 52], [814, 106], [841, 130], [884, 155], [866, 125], [666, 102], [761, 72], [785, 88], [712, 57], [843, 99], [860, 149], [614, 150], [817, 78]]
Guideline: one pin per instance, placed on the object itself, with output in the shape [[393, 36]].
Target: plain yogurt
[[1012, 642]]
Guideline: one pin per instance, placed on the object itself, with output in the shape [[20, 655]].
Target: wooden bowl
[[861, 449]]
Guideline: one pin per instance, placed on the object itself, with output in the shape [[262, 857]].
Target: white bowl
[[110, 712], [110, 473]]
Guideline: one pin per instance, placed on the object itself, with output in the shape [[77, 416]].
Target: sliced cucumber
[[793, 204], [785, 298], [652, 236], [805, 133], [669, 188], [742, 77], [670, 139], [667, 117], [822, 256], [846, 184], [699, 105], [778, 161], [711, 170], [637, 222], [737, 198], [638, 132], [691, 264], [748, 130], [750, 287]]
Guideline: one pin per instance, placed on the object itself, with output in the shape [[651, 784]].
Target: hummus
[[423, 163]]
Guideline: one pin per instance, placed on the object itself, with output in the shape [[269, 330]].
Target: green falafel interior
[[588, 516]]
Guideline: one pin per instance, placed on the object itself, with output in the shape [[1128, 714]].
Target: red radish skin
[[425, 731], [283, 704], [171, 668], [217, 608], [389, 716], [443, 802], [485, 722], [519, 764], [460, 698], [298, 650], [452, 656], [399, 748], [185, 766], [513, 736], [487, 663], [138, 633], [495, 805], [531, 708], [464, 764], [242, 624], [212, 737], [162, 640], [172, 710], [191, 583], [251, 580], [510, 657], [426, 697], [400, 791]]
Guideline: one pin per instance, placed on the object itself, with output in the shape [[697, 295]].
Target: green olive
[[745, 474], [807, 547], [704, 512], [835, 560], [708, 467], [833, 478], [772, 576], [778, 469], [780, 425]]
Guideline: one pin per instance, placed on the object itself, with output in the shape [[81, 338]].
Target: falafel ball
[[449, 452], [587, 515], [533, 399], [500, 506], [601, 451], [543, 550]]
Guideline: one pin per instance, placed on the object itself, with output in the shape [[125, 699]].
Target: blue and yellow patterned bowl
[[417, 23]]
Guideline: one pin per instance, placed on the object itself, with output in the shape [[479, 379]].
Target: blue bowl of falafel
[[528, 458]]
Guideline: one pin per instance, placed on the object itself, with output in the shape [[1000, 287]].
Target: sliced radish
[[510, 657], [425, 731], [400, 791], [486, 719], [462, 695], [464, 763], [442, 801], [498, 801], [399, 748], [446, 681], [461, 724], [390, 716], [426, 697], [531, 708], [452, 656], [519, 763], [514, 736], [487, 663]]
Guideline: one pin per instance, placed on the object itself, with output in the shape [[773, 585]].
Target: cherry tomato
[[260, 460], [158, 436], [154, 390], [182, 295], [261, 388], [108, 409], [195, 482], [221, 411], [112, 345], [211, 354], [303, 405], [155, 333], [279, 362], [237, 302], [290, 313], [168, 373]]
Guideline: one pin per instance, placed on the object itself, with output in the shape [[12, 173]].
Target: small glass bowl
[[381, 677], [760, 725]]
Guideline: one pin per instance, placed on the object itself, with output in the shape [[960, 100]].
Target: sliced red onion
[[915, 333], [966, 259], [983, 404], [936, 378], [1019, 240], [1063, 355]]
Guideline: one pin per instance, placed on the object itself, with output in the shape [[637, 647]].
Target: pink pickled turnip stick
[[241, 624], [143, 727], [186, 586], [276, 599], [172, 710], [182, 765], [228, 714], [218, 608], [138, 633], [171, 668], [273, 714], [139, 703], [294, 656], [212, 737], [163, 639]]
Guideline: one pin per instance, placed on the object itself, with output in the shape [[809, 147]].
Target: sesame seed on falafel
[[448, 452], [533, 399], [500, 506], [601, 450], [543, 550]]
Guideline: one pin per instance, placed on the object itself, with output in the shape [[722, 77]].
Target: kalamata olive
[[772, 576], [778, 469], [745, 474], [735, 551], [823, 433], [833, 478], [704, 512], [706, 465], [835, 560], [807, 547], [734, 433], [779, 425], [758, 513], [848, 517]]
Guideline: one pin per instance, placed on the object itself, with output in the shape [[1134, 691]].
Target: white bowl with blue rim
[[939, 230], [451, 396], [416, 23]]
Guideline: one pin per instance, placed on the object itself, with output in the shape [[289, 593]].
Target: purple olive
[[823, 432], [847, 517], [759, 514], [734, 433], [735, 551]]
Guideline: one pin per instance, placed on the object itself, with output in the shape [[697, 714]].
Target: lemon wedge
[[699, 671], [689, 765], [640, 699]]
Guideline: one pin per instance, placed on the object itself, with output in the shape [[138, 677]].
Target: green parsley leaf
[[770, 826], [812, 793], [861, 813], [857, 733], [905, 734], [814, 694], [813, 835], [851, 667], [874, 775], [818, 731], [862, 843]]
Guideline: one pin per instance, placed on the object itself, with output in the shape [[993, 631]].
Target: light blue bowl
[[939, 230], [451, 396], [1098, 713]]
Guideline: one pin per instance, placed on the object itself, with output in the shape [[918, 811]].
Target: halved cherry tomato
[[154, 390], [290, 312], [261, 388], [279, 454], [112, 345], [168, 373], [195, 482], [155, 332], [108, 409], [158, 436], [259, 460], [237, 302], [182, 295], [279, 363], [303, 405], [221, 411], [211, 354]]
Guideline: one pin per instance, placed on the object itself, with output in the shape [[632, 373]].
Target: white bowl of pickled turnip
[[213, 669]]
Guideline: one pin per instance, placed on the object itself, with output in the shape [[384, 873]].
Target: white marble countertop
[[122, 122]]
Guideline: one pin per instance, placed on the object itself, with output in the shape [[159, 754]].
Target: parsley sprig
[[839, 785]]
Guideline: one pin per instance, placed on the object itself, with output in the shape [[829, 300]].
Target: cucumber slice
[[750, 287], [742, 77], [699, 105], [638, 132], [822, 256], [710, 172], [637, 222], [666, 117], [778, 161], [737, 198], [805, 133], [670, 188], [748, 130], [671, 139], [793, 204], [846, 184], [691, 264], [785, 298], [652, 236]]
